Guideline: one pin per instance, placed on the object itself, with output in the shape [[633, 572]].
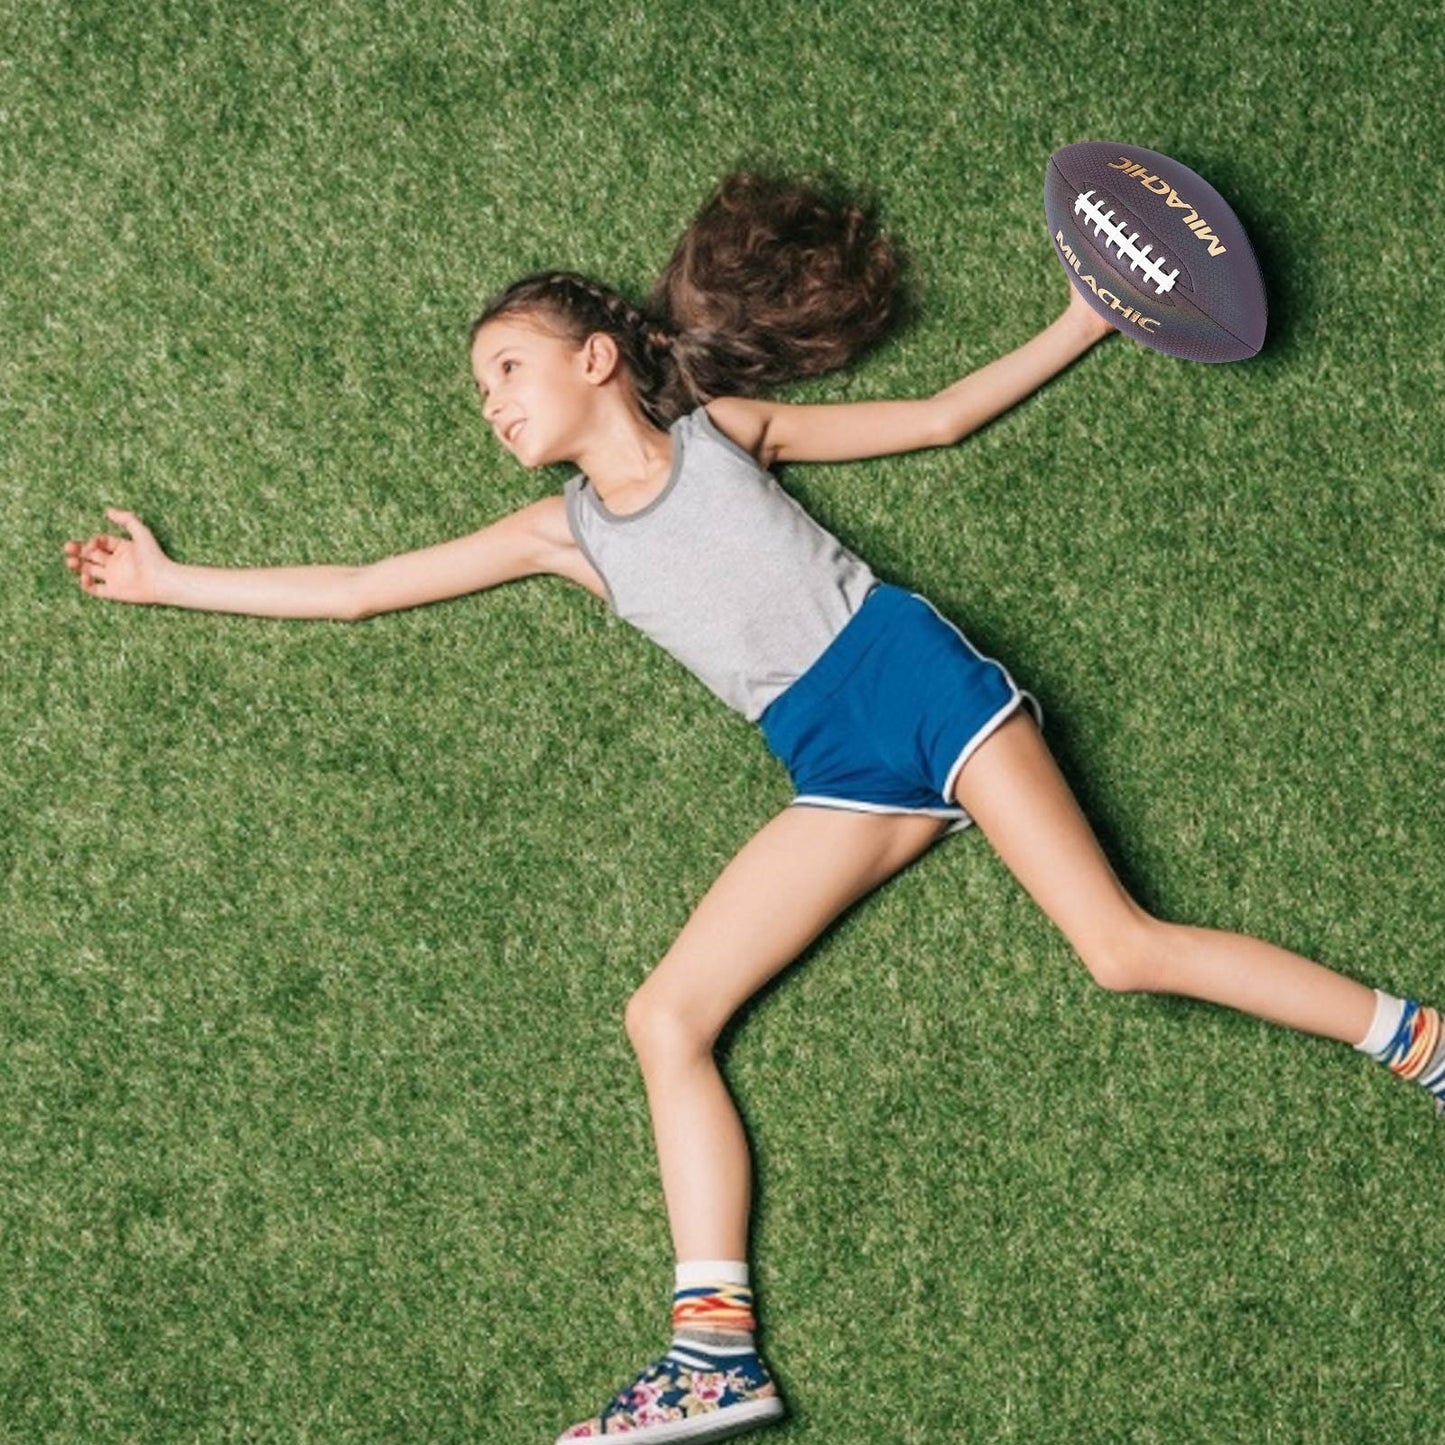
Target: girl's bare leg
[[1017, 796], [796, 875]]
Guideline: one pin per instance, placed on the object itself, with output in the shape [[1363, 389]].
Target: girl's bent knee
[[1132, 957], [658, 1030]]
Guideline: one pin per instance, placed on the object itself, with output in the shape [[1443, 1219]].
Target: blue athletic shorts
[[885, 718]]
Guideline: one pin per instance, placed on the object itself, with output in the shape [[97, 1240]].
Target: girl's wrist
[[1084, 323], [166, 583]]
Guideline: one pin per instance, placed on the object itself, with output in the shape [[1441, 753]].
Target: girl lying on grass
[[894, 728]]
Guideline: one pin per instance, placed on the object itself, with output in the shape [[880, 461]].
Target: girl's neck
[[626, 459]]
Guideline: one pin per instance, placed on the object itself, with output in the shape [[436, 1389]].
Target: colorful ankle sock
[[1409, 1039], [713, 1305]]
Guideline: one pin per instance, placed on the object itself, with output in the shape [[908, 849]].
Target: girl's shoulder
[[561, 554], [739, 421]]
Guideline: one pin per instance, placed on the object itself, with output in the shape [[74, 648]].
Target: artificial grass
[[319, 1121]]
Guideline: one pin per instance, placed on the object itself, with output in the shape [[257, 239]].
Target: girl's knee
[[1132, 955], [659, 1028]]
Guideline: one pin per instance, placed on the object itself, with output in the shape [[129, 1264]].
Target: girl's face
[[534, 388]]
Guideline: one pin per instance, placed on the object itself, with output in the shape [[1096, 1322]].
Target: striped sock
[[713, 1305], [1409, 1039]]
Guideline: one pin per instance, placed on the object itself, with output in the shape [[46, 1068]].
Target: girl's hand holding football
[[1085, 317], [124, 569]]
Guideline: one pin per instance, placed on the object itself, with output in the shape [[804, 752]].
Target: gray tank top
[[723, 568]]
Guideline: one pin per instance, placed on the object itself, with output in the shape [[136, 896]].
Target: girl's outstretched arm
[[848, 431], [135, 569]]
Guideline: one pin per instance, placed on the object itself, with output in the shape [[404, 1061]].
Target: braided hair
[[579, 306], [775, 279]]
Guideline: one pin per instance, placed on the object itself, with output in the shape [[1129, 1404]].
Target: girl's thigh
[[782, 889], [1015, 793]]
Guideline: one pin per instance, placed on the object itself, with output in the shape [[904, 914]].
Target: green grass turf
[[319, 1122]]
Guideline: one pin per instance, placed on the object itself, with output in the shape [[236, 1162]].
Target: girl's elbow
[[958, 419], [355, 599], [959, 431], [946, 425]]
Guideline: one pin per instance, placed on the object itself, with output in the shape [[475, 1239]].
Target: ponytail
[[774, 280]]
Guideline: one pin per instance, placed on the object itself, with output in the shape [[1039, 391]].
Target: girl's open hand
[[124, 569]]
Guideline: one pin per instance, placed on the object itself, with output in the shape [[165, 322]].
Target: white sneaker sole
[[715, 1425]]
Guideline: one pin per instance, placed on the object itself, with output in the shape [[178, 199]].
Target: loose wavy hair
[[775, 279]]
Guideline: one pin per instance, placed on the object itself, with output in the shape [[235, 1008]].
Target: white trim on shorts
[[959, 818], [982, 736], [1020, 698]]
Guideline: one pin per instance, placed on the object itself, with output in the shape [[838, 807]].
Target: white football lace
[[1129, 248]]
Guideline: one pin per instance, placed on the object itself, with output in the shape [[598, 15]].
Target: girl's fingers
[[89, 559], [128, 520]]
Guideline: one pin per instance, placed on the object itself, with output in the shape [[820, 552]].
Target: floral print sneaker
[[694, 1392]]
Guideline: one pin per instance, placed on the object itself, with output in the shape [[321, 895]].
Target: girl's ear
[[601, 357]]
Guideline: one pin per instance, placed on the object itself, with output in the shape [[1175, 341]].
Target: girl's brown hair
[[775, 279]]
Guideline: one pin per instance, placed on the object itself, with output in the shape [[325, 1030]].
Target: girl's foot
[[694, 1392]]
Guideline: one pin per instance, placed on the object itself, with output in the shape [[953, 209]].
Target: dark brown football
[[1155, 250]]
